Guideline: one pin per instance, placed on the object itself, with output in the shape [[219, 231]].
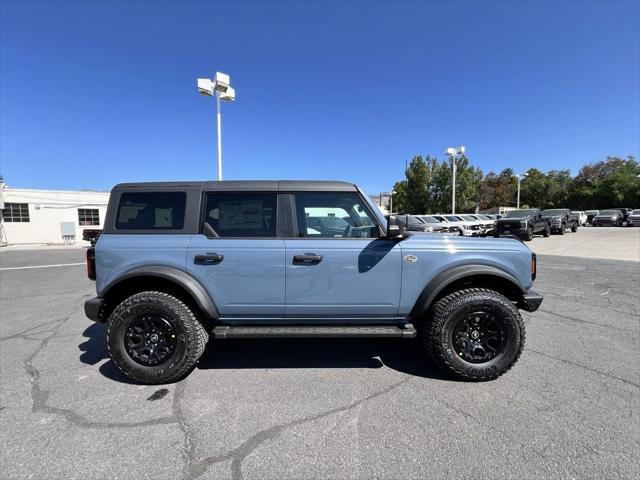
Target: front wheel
[[563, 227], [547, 232], [154, 338], [574, 227], [529, 235], [475, 334]]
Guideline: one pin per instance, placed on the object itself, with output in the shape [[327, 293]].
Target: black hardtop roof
[[247, 185]]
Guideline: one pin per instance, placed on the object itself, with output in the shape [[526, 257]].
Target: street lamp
[[220, 88], [454, 153], [519, 177]]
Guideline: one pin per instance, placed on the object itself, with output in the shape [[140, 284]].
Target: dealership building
[[51, 217]]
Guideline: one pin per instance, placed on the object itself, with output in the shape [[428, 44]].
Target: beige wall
[[47, 208]]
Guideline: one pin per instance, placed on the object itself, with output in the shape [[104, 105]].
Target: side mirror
[[394, 228]]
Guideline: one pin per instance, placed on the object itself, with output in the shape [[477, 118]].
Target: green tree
[[418, 180], [400, 197]]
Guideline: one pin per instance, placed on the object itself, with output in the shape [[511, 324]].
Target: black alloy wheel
[[150, 340], [479, 337]]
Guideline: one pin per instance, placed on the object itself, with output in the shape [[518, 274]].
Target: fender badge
[[410, 258]]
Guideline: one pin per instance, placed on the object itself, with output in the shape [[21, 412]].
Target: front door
[[336, 266], [238, 257]]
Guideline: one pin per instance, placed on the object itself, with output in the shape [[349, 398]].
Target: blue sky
[[94, 93]]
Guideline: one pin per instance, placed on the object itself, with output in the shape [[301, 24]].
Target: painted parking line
[[43, 266]]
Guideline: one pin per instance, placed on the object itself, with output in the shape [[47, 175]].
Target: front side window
[[88, 216], [16, 212], [333, 215], [151, 211], [241, 215]]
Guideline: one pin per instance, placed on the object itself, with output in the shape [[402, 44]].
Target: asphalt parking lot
[[327, 408]]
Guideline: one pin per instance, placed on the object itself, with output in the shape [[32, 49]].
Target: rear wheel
[[475, 334], [153, 338]]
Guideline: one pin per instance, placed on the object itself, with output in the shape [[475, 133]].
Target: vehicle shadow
[[94, 351], [403, 355]]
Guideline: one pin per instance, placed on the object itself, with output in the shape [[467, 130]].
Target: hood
[[513, 219], [459, 243]]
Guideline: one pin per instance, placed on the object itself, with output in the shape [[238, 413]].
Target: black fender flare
[[179, 277], [447, 277]]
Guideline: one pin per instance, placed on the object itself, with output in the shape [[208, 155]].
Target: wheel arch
[[167, 279], [467, 276]]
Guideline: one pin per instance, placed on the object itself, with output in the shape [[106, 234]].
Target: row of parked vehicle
[[523, 223], [616, 217]]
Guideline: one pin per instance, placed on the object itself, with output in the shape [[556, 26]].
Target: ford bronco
[[181, 262]]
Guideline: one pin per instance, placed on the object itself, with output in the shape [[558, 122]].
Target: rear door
[[336, 266], [238, 256]]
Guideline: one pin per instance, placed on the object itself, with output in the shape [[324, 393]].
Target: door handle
[[208, 259], [307, 258]]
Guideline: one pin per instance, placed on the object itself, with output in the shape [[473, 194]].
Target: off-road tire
[[191, 337], [436, 333], [574, 227], [529, 235], [563, 227], [547, 232]]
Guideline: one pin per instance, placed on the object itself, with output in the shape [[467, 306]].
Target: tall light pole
[[454, 153], [393, 192], [519, 177], [220, 88]]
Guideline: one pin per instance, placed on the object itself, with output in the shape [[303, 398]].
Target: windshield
[[429, 220], [452, 218], [554, 212], [468, 218], [635, 212], [610, 212], [519, 213]]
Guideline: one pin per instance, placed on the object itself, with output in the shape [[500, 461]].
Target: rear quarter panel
[[117, 254]]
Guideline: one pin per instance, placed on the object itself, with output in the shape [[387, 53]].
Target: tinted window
[[239, 214], [328, 214], [151, 211]]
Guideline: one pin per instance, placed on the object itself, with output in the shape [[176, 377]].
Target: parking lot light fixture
[[454, 153], [393, 192], [219, 87], [520, 178]]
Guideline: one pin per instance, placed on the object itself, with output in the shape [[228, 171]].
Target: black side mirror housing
[[395, 229]]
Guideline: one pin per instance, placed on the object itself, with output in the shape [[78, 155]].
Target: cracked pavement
[[350, 408]]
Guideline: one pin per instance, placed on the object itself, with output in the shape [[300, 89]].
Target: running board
[[381, 331]]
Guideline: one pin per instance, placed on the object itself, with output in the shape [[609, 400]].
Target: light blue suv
[[180, 262]]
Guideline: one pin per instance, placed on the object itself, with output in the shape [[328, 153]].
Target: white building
[[49, 216]]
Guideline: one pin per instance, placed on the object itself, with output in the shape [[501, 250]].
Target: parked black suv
[[523, 223], [560, 219]]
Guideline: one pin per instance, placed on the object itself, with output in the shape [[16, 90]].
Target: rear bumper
[[530, 301], [93, 309]]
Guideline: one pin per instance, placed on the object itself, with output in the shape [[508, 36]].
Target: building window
[[16, 212], [88, 216]]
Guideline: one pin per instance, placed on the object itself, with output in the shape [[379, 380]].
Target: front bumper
[[530, 301], [93, 309]]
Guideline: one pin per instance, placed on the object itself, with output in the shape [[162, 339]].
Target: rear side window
[[151, 211], [239, 214]]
